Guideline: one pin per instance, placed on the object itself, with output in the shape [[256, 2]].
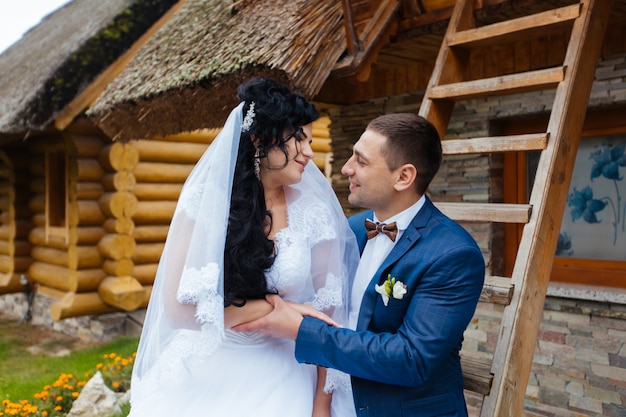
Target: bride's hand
[[307, 310]]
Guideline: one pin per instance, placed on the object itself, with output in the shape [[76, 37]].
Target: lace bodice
[[293, 273]]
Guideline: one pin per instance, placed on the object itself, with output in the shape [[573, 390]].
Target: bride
[[254, 217]]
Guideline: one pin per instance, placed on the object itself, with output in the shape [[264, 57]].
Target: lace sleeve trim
[[331, 295], [199, 287]]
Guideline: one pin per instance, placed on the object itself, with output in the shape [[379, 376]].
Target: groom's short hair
[[411, 139]]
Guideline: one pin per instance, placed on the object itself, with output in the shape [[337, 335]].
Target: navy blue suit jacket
[[404, 357]]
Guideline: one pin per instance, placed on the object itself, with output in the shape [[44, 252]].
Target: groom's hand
[[282, 322]]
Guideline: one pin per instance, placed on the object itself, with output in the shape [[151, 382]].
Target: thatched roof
[[56, 60], [186, 76]]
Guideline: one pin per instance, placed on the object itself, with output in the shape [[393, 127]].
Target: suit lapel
[[409, 238]]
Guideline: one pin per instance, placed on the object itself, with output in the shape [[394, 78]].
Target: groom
[[415, 290]]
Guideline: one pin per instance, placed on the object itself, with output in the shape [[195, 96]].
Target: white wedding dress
[[251, 375]]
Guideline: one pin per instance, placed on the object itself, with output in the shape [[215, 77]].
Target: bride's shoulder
[[312, 215]]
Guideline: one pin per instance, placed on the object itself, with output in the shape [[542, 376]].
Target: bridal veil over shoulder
[[186, 360]]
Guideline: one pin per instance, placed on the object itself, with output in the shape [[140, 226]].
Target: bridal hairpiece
[[249, 119]]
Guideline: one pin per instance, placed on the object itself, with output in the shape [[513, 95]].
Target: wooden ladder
[[503, 381]]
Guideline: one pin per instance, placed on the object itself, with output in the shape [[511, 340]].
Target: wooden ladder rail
[[510, 368]]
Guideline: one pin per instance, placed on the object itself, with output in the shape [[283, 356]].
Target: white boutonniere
[[391, 288]]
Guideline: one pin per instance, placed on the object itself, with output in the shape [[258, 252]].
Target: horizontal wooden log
[[150, 233], [154, 212], [10, 283], [148, 253], [122, 226], [117, 247], [125, 293], [7, 231], [89, 170], [119, 181], [37, 185], [77, 236], [14, 247], [118, 268], [164, 151], [87, 146], [89, 190], [6, 264], [37, 204], [15, 263], [118, 204], [82, 304], [64, 279], [505, 84], [37, 237], [88, 213], [157, 191], [74, 257], [119, 156], [86, 235], [21, 263], [39, 220], [486, 212], [5, 202], [6, 247], [161, 172], [198, 136], [145, 273]]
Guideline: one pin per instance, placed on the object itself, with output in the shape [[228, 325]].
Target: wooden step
[[497, 290], [486, 212], [506, 84], [514, 30], [513, 143], [477, 376]]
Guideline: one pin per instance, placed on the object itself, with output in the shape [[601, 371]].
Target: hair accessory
[[249, 119], [257, 162]]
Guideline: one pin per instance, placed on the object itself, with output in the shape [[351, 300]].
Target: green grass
[[23, 374]]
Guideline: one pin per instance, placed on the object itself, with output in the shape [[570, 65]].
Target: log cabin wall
[[67, 264], [163, 167]]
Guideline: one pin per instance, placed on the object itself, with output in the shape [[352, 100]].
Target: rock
[[96, 399]]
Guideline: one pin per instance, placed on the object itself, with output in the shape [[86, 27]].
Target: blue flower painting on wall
[[594, 222]]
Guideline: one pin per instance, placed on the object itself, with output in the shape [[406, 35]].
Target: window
[[56, 173], [592, 240]]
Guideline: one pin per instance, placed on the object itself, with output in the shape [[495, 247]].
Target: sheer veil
[[185, 315]]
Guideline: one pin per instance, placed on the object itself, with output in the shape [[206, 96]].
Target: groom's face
[[371, 180]]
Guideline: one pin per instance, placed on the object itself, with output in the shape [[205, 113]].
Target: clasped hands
[[284, 320]]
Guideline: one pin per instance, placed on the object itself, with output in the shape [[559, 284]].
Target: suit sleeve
[[442, 302]]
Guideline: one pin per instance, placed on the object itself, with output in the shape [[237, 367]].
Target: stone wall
[[99, 328]]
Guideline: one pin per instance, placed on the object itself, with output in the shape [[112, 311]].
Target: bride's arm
[[321, 401], [251, 310]]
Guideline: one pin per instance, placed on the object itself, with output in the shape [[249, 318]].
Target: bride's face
[[286, 167]]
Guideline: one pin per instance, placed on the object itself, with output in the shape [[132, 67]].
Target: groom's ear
[[405, 178]]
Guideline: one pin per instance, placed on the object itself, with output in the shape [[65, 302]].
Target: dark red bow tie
[[374, 228]]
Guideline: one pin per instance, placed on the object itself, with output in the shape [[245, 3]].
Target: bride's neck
[[274, 197]]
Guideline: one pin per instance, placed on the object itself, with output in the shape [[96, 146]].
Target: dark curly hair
[[249, 252]]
